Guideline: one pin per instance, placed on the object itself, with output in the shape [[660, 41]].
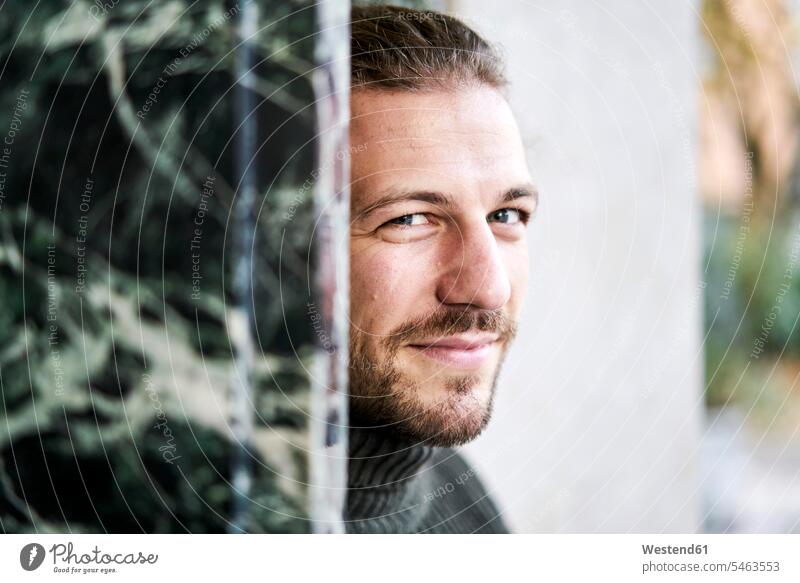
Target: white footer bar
[[401, 558]]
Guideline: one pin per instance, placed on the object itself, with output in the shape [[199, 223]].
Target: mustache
[[446, 322]]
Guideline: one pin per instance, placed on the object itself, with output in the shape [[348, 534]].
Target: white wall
[[597, 420]]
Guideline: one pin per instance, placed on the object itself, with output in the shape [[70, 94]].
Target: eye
[[508, 216], [411, 220]]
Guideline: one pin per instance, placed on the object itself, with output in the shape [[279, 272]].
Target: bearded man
[[441, 196]]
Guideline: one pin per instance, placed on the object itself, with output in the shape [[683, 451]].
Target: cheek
[[386, 287]]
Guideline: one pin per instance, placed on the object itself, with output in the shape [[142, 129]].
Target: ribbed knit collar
[[384, 474]]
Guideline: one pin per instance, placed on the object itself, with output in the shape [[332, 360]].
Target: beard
[[383, 396]]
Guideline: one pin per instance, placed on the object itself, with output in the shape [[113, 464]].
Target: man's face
[[441, 195]]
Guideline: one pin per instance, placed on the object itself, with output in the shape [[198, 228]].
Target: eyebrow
[[444, 200], [522, 191]]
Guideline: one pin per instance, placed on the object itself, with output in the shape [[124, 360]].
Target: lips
[[462, 351]]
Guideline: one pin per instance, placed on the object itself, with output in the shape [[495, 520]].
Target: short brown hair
[[401, 48]]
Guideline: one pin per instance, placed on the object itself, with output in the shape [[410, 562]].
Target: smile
[[467, 352]]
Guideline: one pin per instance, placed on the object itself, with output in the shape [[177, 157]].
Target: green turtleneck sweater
[[395, 486]]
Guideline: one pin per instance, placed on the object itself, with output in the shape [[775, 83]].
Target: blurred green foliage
[[752, 271]]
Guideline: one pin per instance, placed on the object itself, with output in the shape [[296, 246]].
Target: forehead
[[465, 139]]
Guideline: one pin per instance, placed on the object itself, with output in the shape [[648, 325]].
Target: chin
[[420, 400], [455, 413]]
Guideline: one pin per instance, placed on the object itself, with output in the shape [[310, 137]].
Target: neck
[[383, 471]]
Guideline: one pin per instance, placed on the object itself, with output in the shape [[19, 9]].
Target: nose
[[472, 270]]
